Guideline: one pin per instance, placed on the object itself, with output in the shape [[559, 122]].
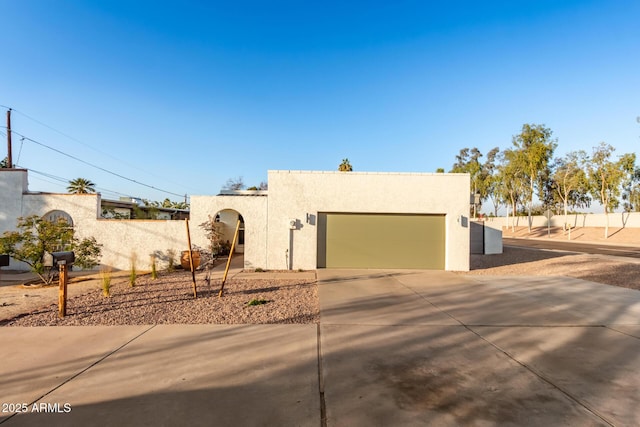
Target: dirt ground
[[617, 271]]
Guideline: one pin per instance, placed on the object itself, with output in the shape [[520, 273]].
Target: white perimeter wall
[[616, 220], [120, 238], [301, 195]]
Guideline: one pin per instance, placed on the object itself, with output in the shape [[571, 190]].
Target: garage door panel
[[381, 241]]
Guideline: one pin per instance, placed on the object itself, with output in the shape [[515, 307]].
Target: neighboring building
[[306, 220], [131, 208]]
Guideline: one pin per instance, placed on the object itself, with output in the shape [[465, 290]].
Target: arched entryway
[[227, 221]]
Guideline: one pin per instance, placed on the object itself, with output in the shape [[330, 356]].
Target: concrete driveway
[[393, 348], [436, 348]]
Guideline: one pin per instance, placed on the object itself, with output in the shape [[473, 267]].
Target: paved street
[[589, 248]]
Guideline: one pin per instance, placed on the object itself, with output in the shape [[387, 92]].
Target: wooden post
[[62, 291], [226, 270], [193, 273]]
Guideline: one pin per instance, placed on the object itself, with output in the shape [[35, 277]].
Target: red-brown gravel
[[169, 300]]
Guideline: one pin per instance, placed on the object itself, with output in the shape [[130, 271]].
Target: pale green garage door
[[381, 241]]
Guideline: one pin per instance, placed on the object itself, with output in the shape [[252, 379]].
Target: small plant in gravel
[[105, 276], [132, 273], [260, 270], [171, 260], [256, 301], [154, 271]]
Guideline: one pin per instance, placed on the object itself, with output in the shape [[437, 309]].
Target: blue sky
[[184, 95]]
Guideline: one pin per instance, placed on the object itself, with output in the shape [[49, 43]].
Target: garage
[[377, 240]]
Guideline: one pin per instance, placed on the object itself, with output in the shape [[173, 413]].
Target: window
[[55, 216]]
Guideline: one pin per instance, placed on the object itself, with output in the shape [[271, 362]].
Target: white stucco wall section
[[302, 194], [138, 237], [13, 182], [254, 211], [120, 238]]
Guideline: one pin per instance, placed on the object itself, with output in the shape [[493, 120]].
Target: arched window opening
[[57, 215]]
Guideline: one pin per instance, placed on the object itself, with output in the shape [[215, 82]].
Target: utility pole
[[9, 159]]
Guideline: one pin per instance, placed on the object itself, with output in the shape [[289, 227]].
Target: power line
[[57, 178], [88, 146], [96, 166], [66, 181]]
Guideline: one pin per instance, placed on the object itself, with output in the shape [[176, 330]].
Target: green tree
[[81, 186], [570, 183], [35, 236], [4, 163], [534, 150], [511, 181], [491, 179], [468, 161], [481, 174], [440, 170], [606, 177], [345, 166], [166, 203], [631, 192]]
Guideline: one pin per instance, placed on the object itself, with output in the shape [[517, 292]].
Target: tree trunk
[[530, 202], [565, 219]]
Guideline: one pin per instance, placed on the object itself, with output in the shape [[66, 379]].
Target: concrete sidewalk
[[167, 375], [393, 348]]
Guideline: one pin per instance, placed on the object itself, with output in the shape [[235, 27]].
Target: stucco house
[[314, 219], [305, 220]]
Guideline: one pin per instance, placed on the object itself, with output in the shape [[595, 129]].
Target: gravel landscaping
[[169, 300], [617, 271]]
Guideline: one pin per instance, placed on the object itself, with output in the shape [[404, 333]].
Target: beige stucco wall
[[141, 238], [120, 238], [300, 195], [254, 211], [13, 182]]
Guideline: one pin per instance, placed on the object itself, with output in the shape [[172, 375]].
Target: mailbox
[[57, 258], [63, 258], [4, 260]]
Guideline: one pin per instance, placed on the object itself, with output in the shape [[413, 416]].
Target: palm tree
[[345, 166], [81, 186]]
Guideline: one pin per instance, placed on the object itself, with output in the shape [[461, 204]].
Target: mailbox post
[[62, 290], [62, 260]]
